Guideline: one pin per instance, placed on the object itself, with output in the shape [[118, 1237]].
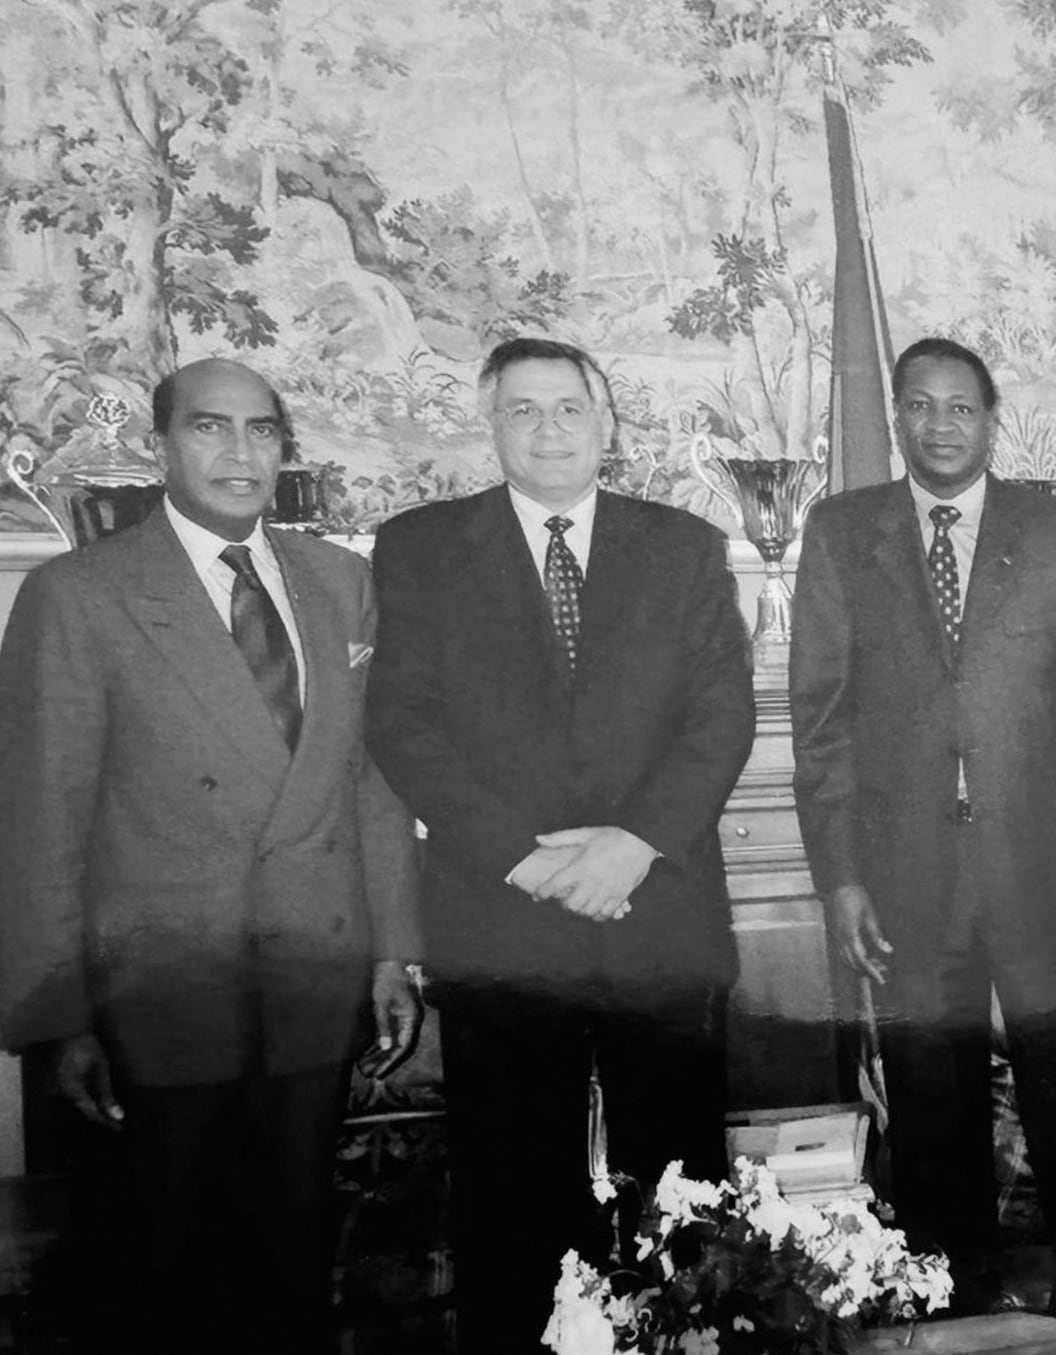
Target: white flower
[[578, 1325], [774, 1218], [604, 1190], [845, 1259], [681, 1199], [700, 1342]]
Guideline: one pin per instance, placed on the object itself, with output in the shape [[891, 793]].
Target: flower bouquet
[[738, 1269]]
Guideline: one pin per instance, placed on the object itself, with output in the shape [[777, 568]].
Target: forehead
[[542, 379], [944, 378], [223, 390]]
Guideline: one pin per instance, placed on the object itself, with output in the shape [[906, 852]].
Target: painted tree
[[138, 94], [998, 291], [756, 63], [570, 103]]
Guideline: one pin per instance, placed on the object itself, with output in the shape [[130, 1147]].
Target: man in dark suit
[[924, 716], [208, 889], [562, 694]]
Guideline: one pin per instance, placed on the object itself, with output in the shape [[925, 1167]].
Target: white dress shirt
[[204, 547], [533, 516], [964, 535]]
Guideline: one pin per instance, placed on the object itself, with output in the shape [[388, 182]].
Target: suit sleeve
[[685, 794], [388, 845], [821, 680], [52, 746], [405, 723]]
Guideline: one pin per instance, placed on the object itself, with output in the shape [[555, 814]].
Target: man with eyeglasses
[[562, 694]]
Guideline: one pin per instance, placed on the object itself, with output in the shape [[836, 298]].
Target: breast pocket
[[1032, 620]]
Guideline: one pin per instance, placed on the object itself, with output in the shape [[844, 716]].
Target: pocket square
[[358, 654]]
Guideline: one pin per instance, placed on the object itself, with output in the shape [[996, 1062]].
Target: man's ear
[[900, 435], [608, 427], [156, 445], [993, 428]]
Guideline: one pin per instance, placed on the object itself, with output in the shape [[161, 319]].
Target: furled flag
[[860, 415]]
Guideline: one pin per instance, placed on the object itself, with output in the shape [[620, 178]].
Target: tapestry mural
[[359, 198]]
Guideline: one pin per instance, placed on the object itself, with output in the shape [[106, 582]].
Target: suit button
[[207, 783], [330, 845]]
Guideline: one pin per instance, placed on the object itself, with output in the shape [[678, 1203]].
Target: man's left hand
[[609, 865], [397, 1019]]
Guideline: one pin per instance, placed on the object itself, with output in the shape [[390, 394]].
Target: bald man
[[207, 888]]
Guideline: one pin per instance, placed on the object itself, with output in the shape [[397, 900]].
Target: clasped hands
[[588, 871]]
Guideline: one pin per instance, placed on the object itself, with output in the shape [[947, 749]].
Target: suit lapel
[[617, 547], [997, 554], [322, 748], [167, 600], [501, 565], [900, 554]]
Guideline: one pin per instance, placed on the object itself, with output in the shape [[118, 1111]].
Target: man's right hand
[[859, 940], [83, 1072], [531, 873], [534, 873]]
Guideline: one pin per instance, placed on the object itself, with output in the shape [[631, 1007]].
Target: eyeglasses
[[528, 418]]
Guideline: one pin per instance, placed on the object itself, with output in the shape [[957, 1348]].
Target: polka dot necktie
[[257, 629], [564, 584], [943, 565]]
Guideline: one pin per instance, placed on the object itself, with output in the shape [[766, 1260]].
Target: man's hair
[[549, 350], [945, 348], [164, 397]]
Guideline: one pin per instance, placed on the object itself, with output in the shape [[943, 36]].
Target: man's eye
[[524, 415], [206, 426], [963, 411], [264, 431]]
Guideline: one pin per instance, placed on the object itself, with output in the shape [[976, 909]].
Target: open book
[[815, 1152]]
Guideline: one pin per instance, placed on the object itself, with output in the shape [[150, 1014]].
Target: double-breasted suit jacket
[[476, 725], [171, 878], [884, 711]]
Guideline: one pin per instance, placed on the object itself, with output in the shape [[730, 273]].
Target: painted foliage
[[359, 199]]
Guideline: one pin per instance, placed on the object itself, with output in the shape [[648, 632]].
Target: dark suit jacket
[[169, 877], [882, 711], [473, 721]]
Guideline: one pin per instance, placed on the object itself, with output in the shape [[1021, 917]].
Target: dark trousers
[[516, 1076], [205, 1224], [938, 1078]]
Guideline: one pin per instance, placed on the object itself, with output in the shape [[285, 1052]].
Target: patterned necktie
[[564, 584], [257, 629], [943, 565]]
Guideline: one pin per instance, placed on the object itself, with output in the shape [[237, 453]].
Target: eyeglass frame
[[543, 417]]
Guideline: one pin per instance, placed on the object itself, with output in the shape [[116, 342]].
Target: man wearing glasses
[[561, 693]]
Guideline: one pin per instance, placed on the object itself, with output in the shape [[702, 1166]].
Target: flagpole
[[860, 410]]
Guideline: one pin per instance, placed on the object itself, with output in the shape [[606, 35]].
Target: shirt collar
[[204, 546], [969, 504], [534, 515]]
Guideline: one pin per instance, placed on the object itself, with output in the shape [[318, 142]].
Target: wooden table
[[1002, 1334]]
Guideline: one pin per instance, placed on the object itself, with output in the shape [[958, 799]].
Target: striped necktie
[[257, 629]]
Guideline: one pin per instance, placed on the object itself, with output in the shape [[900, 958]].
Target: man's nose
[[938, 418], [548, 424], [239, 447]]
